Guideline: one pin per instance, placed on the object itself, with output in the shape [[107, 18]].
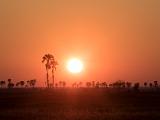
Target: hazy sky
[[118, 39]]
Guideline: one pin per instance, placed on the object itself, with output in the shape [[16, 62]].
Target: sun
[[75, 65]]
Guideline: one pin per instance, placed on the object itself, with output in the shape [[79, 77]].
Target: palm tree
[[51, 63], [54, 63]]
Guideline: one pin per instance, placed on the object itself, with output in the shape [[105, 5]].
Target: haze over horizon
[[114, 39]]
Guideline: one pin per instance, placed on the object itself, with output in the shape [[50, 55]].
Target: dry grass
[[78, 104]]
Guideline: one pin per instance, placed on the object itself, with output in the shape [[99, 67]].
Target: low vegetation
[[78, 104]]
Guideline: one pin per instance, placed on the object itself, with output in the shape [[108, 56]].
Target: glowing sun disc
[[74, 65]]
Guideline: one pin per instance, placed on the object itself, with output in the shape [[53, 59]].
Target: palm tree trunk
[[53, 76], [47, 78]]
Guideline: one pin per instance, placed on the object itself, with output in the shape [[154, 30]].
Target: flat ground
[[78, 104]]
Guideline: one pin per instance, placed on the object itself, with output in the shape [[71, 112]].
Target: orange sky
[[116, 40]]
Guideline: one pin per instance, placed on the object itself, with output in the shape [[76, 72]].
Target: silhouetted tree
[[155, 83], [103, 85], [110, 85], [60, 84], [80, 84], [150, 85], [9, 80], [136, 86], [145, 84], [51, 85], [10, 84], [33, 83], [17, 84], [51, 63], [63, 84], [93, 84], [97, 84], [128, 84], [74, 85], [123, 84], [77, 85], [56, 85], [2, 83], [100, 85], [28, 83], [22, 83], [119, 84], [88, 84]]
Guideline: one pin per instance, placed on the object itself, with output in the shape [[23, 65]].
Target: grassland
[[78, 104]]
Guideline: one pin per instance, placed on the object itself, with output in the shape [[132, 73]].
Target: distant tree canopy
[[22, 84], [117, 85]]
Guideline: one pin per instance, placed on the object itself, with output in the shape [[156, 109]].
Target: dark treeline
[[119, 84], [20, 84]]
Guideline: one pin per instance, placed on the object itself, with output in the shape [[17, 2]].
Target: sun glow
[[75, 65]]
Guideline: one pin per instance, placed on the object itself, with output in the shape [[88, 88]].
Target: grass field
[[78, 104]]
